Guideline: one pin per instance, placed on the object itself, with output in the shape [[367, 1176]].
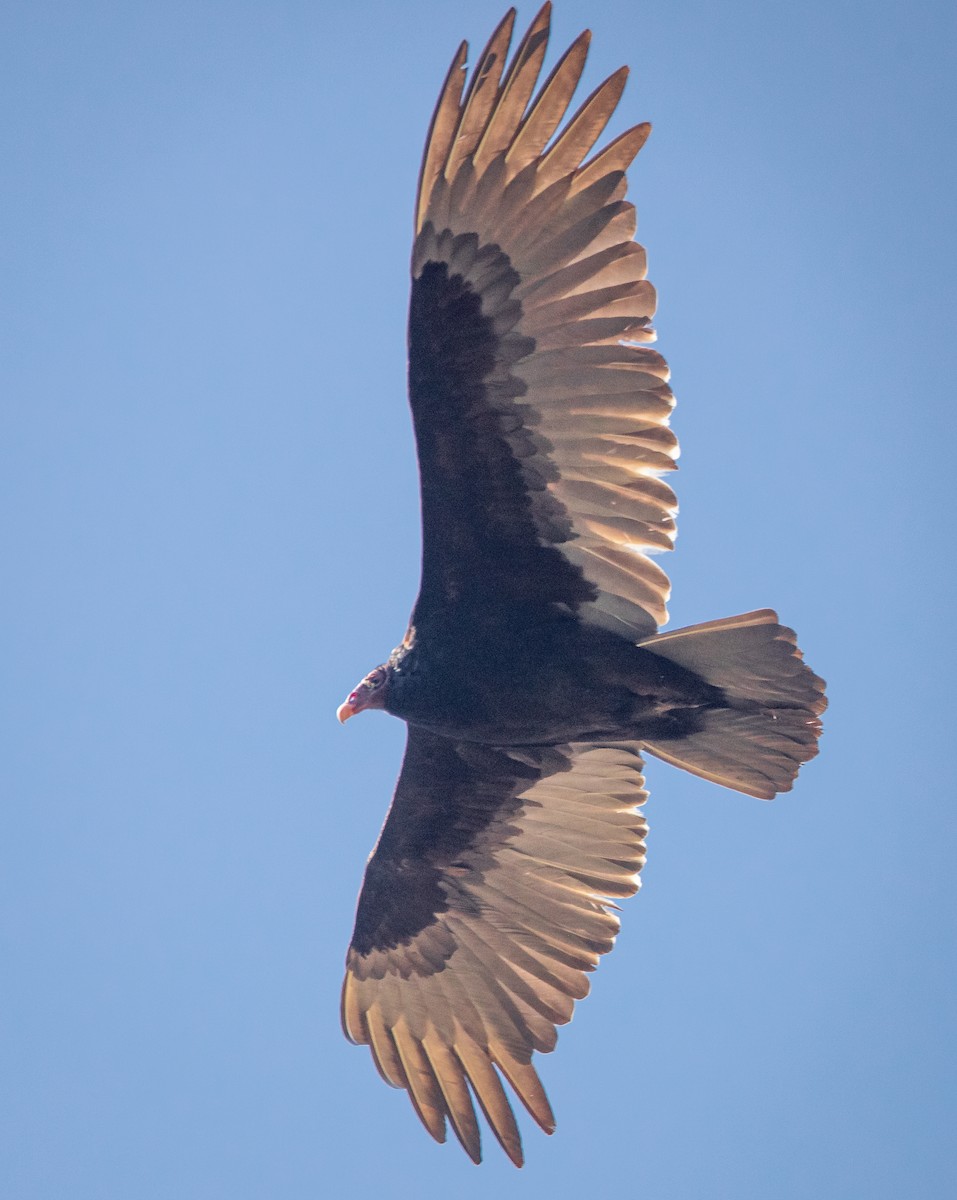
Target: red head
[[370, 693]]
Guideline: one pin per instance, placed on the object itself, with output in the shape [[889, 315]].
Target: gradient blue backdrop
[[210, 532]]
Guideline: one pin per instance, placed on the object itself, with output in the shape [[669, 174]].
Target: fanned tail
[[771, 724]]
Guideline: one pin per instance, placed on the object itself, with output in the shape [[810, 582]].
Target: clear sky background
[[210, 532]]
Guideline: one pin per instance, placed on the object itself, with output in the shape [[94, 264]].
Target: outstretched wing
[[484, 904], [541, 423]]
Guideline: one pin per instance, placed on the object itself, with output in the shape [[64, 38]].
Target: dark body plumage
[[514, 675], [532, 676]]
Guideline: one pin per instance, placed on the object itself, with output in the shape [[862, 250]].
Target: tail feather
[[771, 724]]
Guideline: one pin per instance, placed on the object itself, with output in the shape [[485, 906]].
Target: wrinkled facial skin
[[370, 693]]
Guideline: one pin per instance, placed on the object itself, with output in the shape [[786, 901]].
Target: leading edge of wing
[[484, 906], [513, 213]]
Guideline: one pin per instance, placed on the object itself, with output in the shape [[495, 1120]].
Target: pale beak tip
[[344, 712]]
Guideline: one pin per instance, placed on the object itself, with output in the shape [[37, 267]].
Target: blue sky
[[209, 527]]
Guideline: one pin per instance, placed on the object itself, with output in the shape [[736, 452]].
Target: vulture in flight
[[532, 677]]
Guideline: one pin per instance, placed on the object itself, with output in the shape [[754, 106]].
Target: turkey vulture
[[532, 677]]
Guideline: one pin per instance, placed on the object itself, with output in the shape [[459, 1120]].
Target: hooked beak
[[345, 710]]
